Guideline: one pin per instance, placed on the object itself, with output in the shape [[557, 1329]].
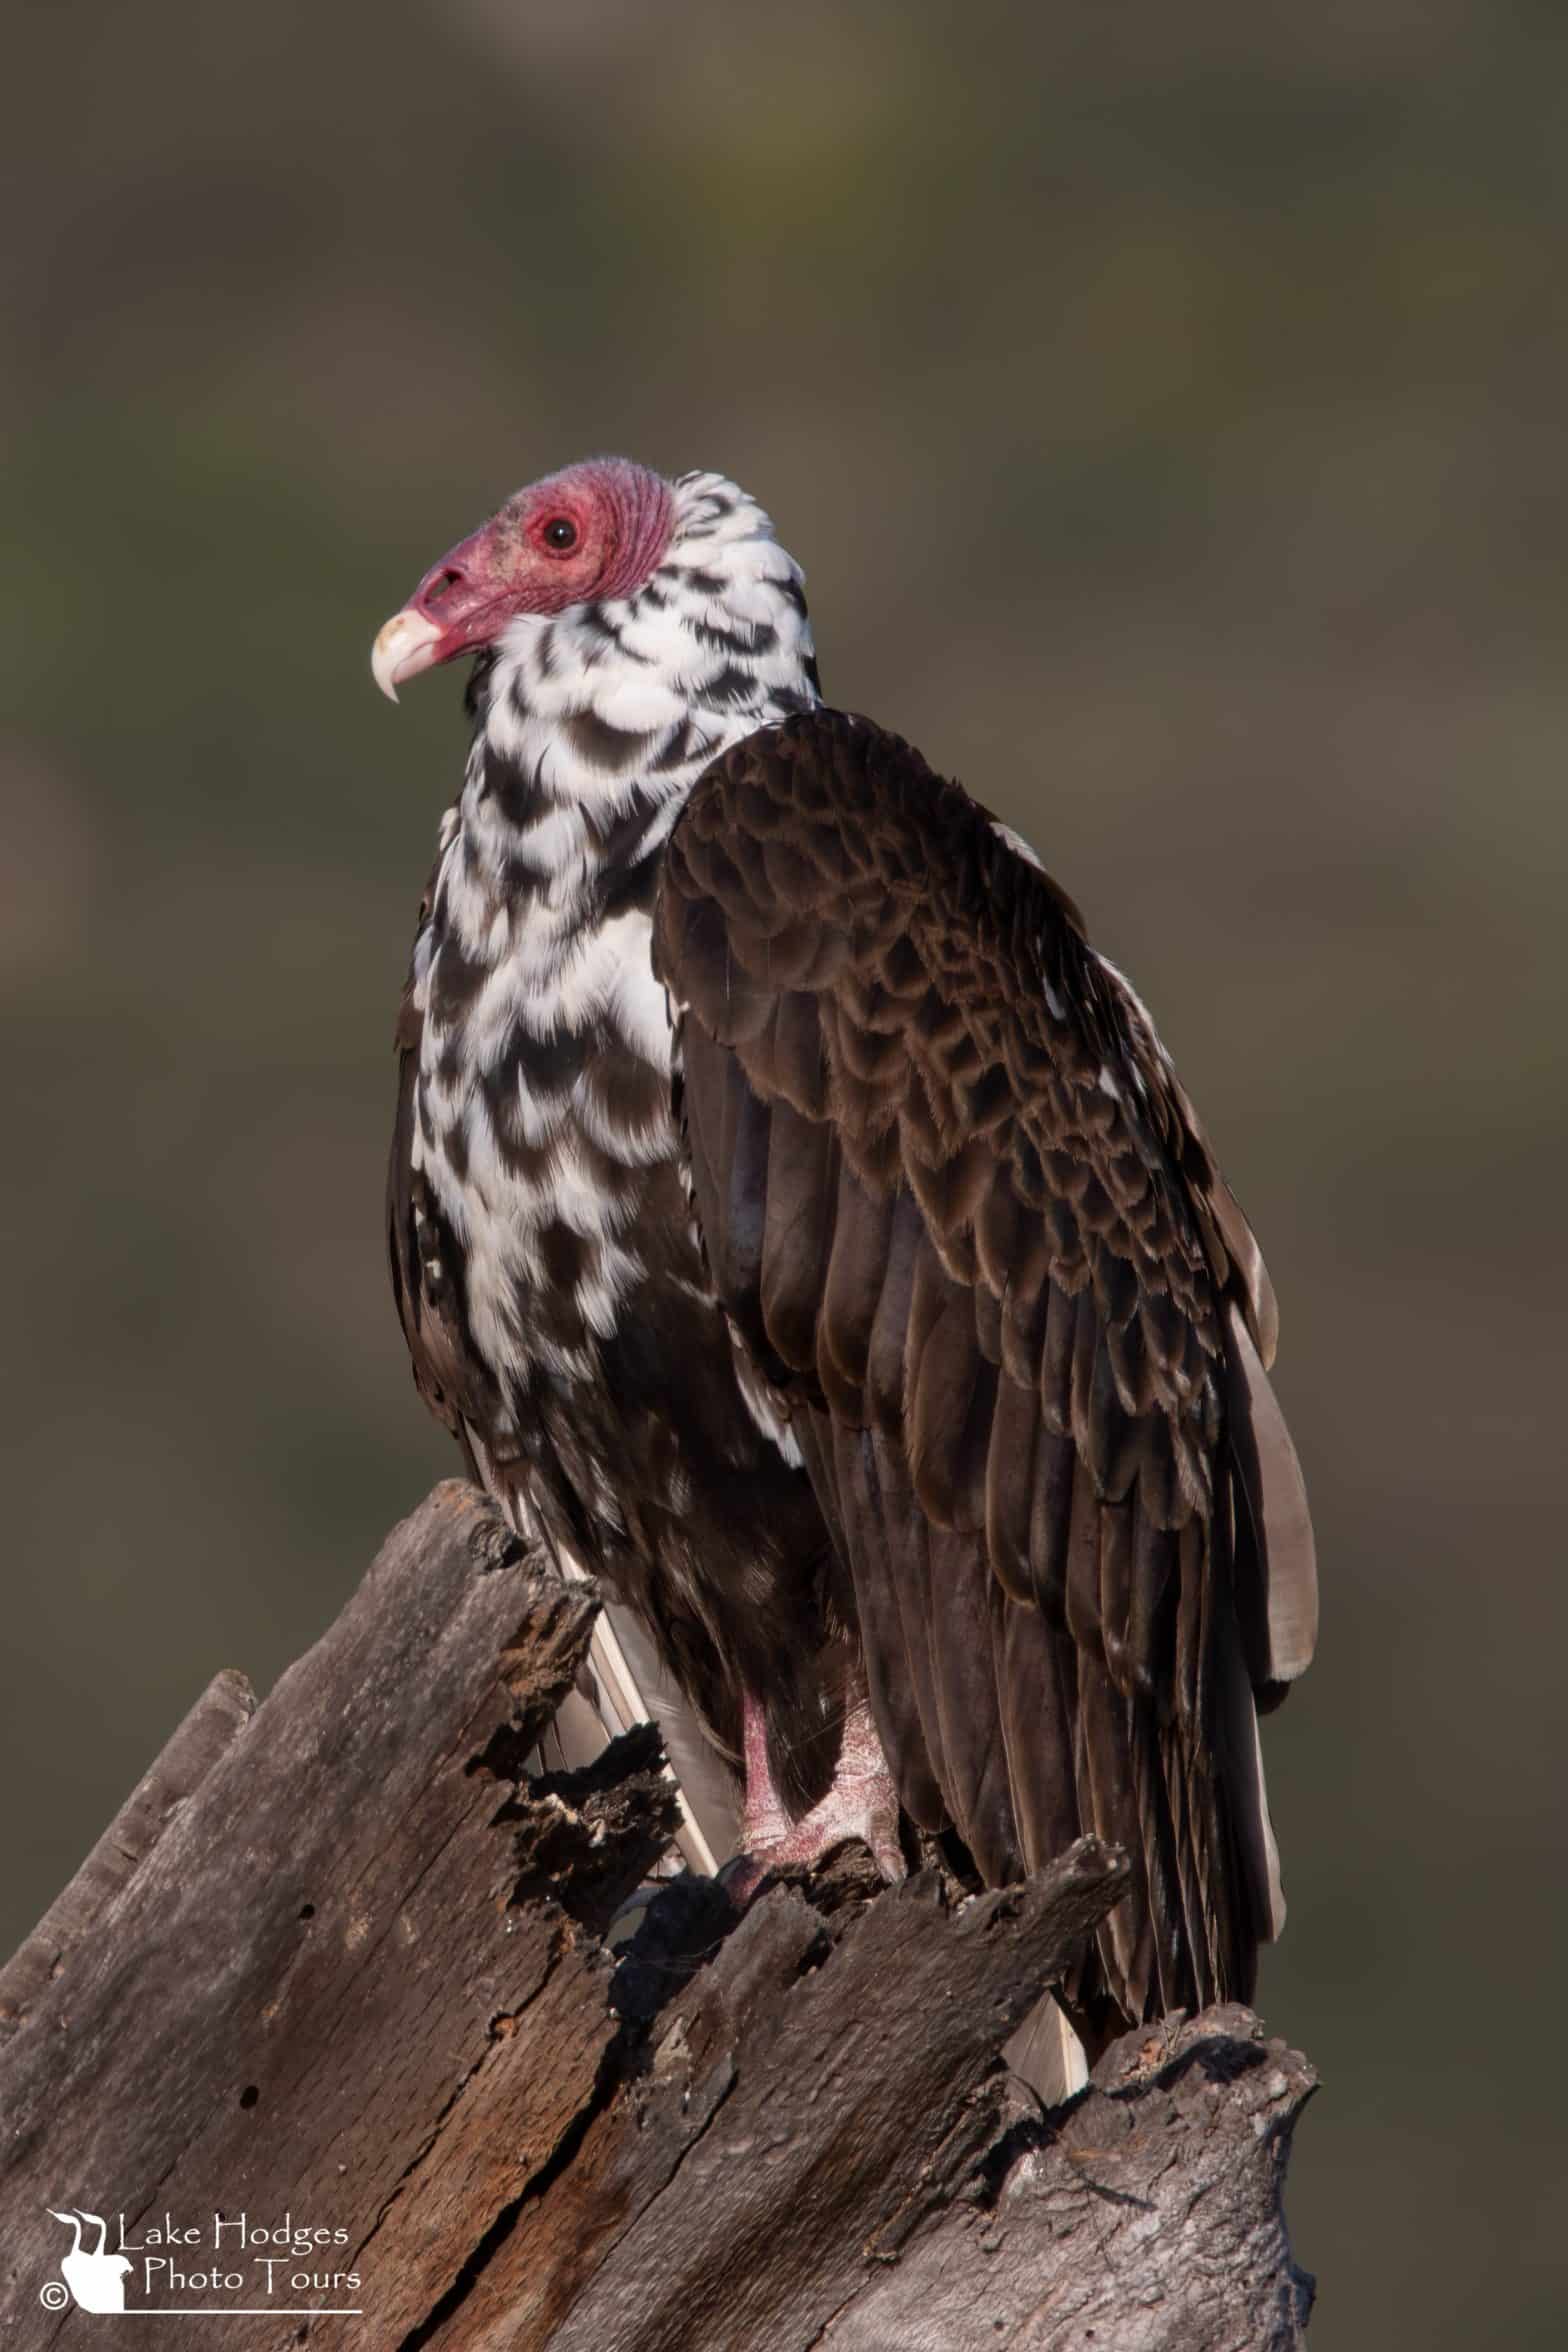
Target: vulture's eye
[[560, 533]]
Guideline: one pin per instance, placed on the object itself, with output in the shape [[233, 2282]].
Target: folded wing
[[972, 1239]]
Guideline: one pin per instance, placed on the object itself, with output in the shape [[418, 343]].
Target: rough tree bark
[[339, 1962]]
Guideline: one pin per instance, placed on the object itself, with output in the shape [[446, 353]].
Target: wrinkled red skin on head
[[625, 518]]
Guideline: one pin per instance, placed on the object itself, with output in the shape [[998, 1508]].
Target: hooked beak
[[405, 645], [459, 606]]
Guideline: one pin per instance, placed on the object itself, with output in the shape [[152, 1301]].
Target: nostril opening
[[442, 585]]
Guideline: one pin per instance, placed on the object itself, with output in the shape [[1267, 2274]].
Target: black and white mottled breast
[[542, 1104], [542, 1139]]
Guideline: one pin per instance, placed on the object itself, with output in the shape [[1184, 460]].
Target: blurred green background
[[1168, 406]]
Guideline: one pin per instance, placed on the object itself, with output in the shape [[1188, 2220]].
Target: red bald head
[[596, 531]]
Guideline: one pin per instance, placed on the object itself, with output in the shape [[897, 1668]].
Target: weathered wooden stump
[[339, 1969]]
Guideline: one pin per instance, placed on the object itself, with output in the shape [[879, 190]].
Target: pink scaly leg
[[861, 1803]]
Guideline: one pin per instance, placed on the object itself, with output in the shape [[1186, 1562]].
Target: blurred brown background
[[1168, 407]]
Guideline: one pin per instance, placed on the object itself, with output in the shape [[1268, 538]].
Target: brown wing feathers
[[448, 1371], [962, 1215]]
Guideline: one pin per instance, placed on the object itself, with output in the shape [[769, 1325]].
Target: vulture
[[804, 1232]]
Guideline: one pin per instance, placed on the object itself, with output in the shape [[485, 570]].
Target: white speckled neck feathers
[[594, 724]]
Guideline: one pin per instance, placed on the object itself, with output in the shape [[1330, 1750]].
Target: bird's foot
[[861, 1803]]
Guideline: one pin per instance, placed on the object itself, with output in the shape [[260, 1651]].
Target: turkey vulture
[[803, 1229]]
